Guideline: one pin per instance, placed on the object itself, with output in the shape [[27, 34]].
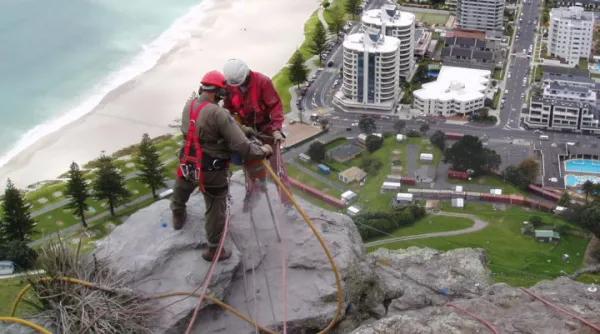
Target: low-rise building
[[457, 91], [458, 203], [568, 101], [390, 186], [348, 197], [352, 174], [403, 198], [547, 235], [426, 157], [470, 48], [352, 211], [423, 39], [591, 5]]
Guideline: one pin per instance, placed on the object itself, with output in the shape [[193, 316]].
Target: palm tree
[[588, 189]]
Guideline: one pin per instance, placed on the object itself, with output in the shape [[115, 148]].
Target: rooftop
[[573, 13], [371, 42], [466, 33], [390, 15], [566, 74], [456, 83], [354, 173]]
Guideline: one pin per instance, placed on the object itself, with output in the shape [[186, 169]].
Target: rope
[[210, 273], [27, 323], [311, 225], [483, 321], [284, 245], [562, 310]]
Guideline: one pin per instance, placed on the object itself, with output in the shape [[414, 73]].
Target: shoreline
[[151, 101]]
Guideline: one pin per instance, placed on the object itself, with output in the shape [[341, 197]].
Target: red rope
[[562, 310], [209, 275], [483, 321]]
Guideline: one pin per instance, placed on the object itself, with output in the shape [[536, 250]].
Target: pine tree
[[16, 223], [78, 191], [152, 171], [337, 21], [109, 184], [298, 71], [319, 38]]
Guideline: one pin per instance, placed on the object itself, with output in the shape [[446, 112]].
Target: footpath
[[477, 226]]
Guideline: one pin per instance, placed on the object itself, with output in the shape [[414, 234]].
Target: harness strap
[[192, 138]]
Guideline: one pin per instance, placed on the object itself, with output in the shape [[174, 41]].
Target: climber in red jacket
[[254, 102]]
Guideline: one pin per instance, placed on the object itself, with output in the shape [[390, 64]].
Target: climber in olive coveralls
[[217, 135]]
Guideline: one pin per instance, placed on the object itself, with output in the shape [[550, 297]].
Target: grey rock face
[[160, 260], [508, 309], [419, 277]]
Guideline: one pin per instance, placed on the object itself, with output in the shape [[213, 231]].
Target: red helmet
[[213, 80]]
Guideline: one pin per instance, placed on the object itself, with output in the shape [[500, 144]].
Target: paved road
[[518, 74], [477, 226]]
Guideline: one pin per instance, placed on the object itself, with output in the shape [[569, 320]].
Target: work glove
[[267, 149], [249, 131], [278, 136]]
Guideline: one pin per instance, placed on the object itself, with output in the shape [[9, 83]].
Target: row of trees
[[377, 224], [17, 227], [298, 73]]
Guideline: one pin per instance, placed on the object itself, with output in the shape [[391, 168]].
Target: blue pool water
[[576, 180], [583, 166]]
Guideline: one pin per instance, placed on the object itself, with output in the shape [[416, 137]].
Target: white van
[[544, 137]]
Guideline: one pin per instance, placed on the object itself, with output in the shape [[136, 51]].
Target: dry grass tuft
[[72, 308]]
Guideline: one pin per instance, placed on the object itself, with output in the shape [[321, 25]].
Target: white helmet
[[235, 72]]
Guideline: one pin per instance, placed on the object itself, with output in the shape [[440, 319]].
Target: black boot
[[179, 218], [209, 254]]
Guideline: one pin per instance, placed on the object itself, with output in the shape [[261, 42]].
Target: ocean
[[59, 58]]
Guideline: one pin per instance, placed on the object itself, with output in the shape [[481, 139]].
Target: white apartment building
[[457, 91], [570, 34], [370, 70], [397, 24], [486, 15], [566, 103]]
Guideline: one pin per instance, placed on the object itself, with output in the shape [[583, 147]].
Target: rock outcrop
[[415, 290], [507, 309], [160, 260]]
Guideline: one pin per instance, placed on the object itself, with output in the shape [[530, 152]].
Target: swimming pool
[[576, 180], [583, 166]]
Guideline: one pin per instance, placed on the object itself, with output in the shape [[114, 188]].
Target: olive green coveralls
[[220, 136]]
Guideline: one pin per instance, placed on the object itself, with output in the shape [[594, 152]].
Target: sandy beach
[[264, 33]]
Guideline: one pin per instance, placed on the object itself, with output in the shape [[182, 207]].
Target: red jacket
[[257, 104]]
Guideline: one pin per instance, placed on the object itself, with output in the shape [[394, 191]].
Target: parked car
[[7, 267]]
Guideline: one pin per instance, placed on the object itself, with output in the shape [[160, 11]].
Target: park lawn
[[298, 175], [514, 258], [491, 181], [589, 278], [9, 288], [335, 143], [282, 84], [431, 18], [47, 194], [431, 224]]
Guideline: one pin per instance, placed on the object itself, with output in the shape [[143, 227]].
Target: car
[[348, 129], [355, 124], [293, 121], [330, 63]]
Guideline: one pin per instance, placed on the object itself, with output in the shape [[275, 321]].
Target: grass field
[[430, 18], [493, 182], [514, 258], [431, 224], [8, 291]]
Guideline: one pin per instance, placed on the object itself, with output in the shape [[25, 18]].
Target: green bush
[[377, 224]]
